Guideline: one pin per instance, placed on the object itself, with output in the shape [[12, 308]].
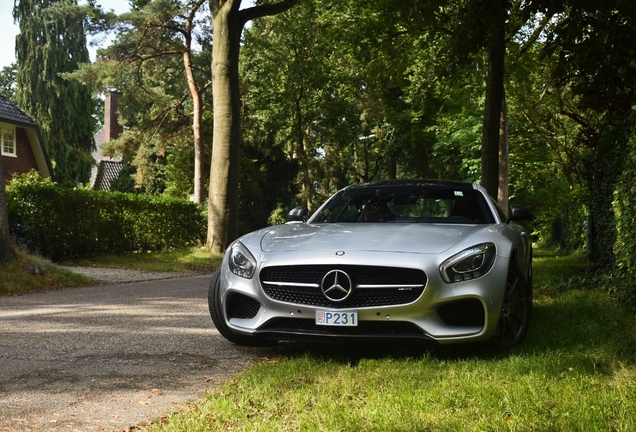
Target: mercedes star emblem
[[336, 286]]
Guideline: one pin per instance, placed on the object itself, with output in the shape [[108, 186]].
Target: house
[[21, 143], [107, 168]]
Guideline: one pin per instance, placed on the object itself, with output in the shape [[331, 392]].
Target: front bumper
[[465, 311]]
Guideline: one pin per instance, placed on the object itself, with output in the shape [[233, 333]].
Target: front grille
[[462, 313], [301, 326], [392, 285], [242, 306]]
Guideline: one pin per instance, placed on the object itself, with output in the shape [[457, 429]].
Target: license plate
[[337, 318]]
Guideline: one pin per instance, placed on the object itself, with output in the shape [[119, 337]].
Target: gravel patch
[[114, 275]]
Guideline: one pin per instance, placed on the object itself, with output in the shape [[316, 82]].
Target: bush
[[625, 213], [61, 223]]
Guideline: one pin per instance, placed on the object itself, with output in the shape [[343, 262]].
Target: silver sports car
[[428, 260]]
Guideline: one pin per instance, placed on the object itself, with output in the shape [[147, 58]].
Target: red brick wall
[[112, 128], [25, 160]]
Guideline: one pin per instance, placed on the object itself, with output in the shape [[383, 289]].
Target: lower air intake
[[242, 306]]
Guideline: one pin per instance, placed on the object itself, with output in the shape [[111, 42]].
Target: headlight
[[468, 264], [241, 261]]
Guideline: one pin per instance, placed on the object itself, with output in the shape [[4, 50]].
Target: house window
[[7, 141]]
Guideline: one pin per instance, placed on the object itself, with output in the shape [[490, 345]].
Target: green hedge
[[625, 212], [61, 223]]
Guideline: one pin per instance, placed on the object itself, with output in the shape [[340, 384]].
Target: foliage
[[408, 78], [591, 42], [102, 222], [546, 158], [592, 60], [266, 184], [152, 62], [603, 171], [624, 206], [125, 182], [28, 273], [50, 44], [8, 80], [335, 99]]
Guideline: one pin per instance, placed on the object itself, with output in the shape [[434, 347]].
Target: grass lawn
[[30, 273], [575, 371], [178, 260]]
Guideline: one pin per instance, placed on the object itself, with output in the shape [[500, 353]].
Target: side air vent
[[242, 306], [462, 313]]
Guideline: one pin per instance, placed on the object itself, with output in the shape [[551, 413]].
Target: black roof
[[107, 171], [10, 113]]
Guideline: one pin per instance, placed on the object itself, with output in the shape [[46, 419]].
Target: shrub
[[625, 213], [61, 223]]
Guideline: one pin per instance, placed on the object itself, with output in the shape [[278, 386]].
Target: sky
[[9, 30]]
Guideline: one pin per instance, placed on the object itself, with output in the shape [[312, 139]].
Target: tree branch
[[535, 35], [252, 13]]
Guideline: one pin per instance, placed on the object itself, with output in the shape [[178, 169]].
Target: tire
[[516, 310], [218, 317]]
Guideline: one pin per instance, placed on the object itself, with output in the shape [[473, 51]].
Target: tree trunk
[[224, 170], [301, 152], [392, 167], [502, 196], [6, 248], [494, 97], [223, 202], [196, 128]]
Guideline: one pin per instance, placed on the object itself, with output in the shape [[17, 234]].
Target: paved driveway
[[106, 357]]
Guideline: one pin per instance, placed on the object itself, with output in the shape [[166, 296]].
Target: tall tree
[[481, 24], [47, 45], [491, 25], [228, 22], [161, 28], [494, 98], [157, 66]]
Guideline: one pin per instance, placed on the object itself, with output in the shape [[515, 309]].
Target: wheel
[[515, 312], [218, 317]]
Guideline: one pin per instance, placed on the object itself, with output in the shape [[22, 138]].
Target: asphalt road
[[109, 356]]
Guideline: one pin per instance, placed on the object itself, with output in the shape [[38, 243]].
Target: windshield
[[406, 204]]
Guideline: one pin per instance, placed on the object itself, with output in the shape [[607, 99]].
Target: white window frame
[[8, 129]]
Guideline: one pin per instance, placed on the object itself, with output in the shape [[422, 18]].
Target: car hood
[[387, 237]]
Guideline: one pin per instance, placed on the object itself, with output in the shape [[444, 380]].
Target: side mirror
[[298, 214], [519, 213]]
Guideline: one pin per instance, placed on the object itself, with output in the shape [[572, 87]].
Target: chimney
[[112, 128]]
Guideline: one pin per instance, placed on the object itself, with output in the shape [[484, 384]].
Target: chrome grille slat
[[292, 284]]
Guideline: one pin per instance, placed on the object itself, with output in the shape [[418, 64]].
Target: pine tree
[[50, 43]]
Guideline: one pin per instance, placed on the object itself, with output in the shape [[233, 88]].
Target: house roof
[[11, 113], [107, 171]]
